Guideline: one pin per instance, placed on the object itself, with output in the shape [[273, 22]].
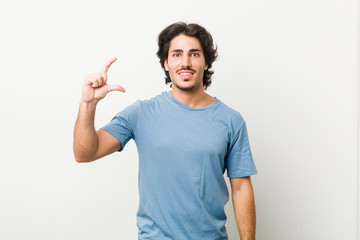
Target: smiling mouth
[[185, 74]]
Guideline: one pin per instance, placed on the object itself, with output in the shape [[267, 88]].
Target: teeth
[[185, 74]]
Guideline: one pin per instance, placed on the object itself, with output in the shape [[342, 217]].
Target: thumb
[[115, 88]]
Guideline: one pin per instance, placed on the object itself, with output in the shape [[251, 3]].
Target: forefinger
[[108, 64]]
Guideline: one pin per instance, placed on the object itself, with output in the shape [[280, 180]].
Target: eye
[[195, 54], [176, 55]]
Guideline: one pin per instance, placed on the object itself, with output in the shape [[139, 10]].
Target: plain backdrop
[[291, 68]]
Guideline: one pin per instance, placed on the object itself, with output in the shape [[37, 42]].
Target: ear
[[206, 67], [166, 65]]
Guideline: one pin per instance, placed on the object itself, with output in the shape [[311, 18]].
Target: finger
[[100, 80], [91, 78], [116, 88], [95, 84], [96, 80], [104, 77], [108, 64]]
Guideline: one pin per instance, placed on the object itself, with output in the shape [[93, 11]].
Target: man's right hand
[[89, 144], [95, 85]]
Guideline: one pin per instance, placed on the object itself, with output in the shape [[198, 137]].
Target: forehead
[[185, 43]]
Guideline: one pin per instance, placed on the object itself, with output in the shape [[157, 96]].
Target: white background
[[290, 67]]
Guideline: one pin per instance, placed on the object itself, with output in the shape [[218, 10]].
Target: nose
[[186, 61]]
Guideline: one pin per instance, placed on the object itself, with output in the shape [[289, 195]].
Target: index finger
[[108, 64]]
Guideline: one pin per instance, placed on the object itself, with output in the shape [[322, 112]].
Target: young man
[[185, 139]]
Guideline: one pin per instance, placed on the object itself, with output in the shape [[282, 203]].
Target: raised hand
[[95, 85]]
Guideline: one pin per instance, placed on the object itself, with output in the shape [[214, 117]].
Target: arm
[[244, 207], [89, 144]]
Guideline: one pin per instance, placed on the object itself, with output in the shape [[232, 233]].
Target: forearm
[[85, 138], [89, 144], [244, 208]]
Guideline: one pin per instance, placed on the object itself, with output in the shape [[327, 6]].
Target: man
[[185, 139]]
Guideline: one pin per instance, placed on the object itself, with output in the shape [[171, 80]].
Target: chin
[[188, 84], [187, 88]]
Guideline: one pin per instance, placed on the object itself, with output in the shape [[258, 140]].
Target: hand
[[95, 85]]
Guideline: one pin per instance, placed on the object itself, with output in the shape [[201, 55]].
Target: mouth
[[185, 74]]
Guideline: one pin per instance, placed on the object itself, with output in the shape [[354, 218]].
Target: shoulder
[[154, 100], [142, 105], [229, 115], [151, 103]]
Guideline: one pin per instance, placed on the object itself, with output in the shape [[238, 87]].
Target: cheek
[[171, 65]]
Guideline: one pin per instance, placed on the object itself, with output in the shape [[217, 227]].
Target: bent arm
[[89, 144], [244, 207]]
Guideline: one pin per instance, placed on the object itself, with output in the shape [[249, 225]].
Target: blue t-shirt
[[183, 153]]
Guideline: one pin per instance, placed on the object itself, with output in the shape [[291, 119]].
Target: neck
[[193, 99]]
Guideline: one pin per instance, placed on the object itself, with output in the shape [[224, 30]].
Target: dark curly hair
[[192, 30]]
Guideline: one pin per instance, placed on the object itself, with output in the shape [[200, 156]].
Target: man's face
[[186, 63]]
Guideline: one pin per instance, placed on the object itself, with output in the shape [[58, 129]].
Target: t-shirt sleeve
[[239, 159], [122, 125]]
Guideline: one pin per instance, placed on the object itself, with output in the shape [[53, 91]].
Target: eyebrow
[[191, 50]]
